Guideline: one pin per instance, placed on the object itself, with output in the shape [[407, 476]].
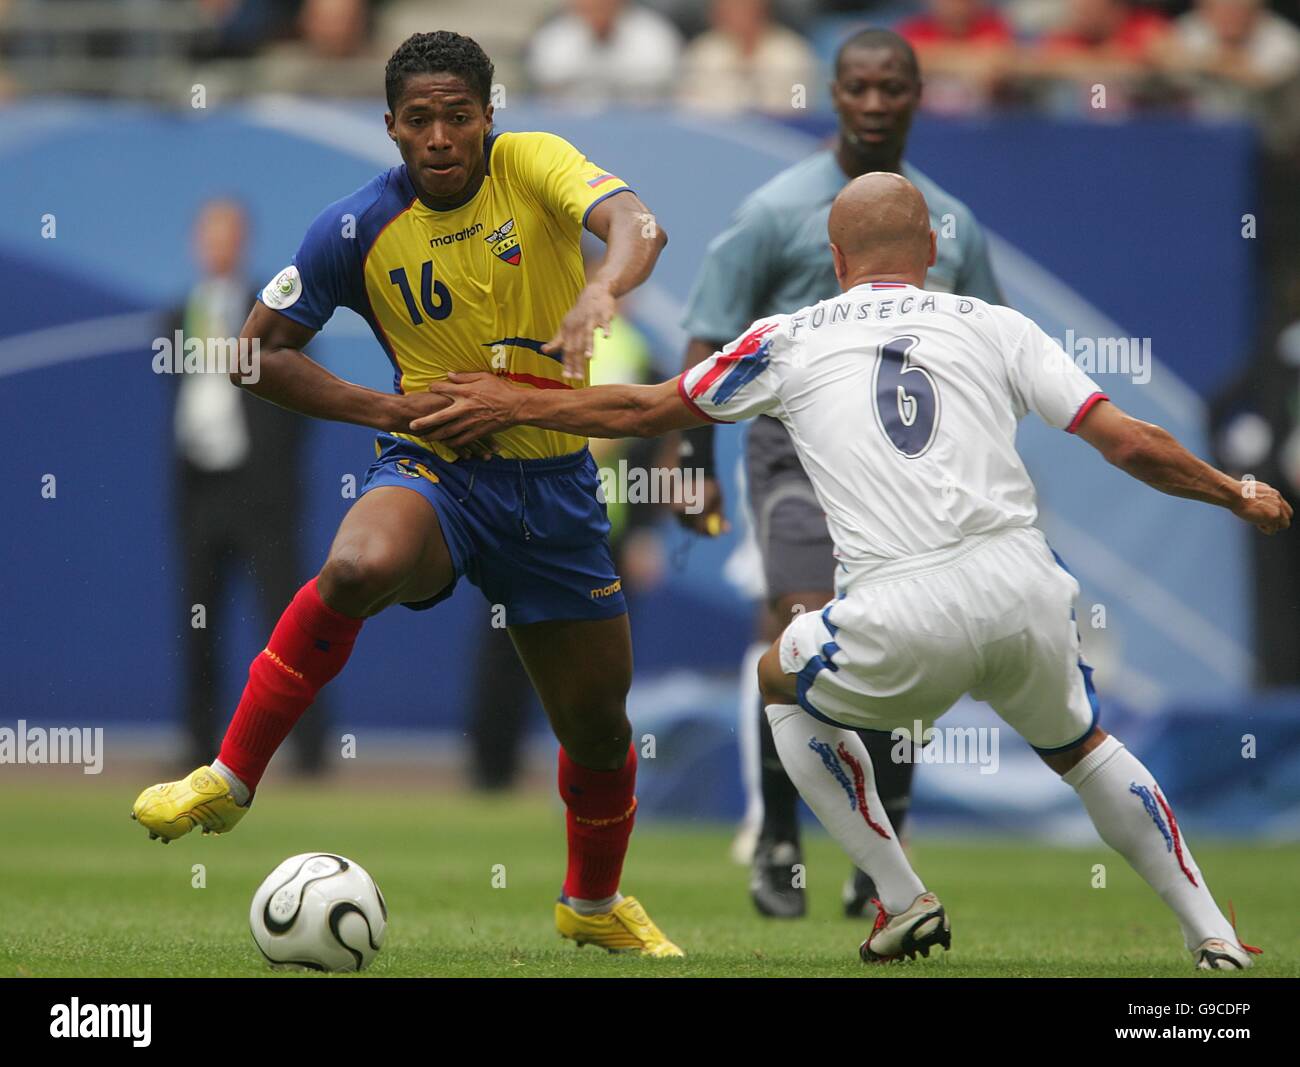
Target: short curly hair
[[440, 52]]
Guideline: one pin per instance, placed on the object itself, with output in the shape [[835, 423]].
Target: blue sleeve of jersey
[[329, 267], [976, 278], [735, 277]]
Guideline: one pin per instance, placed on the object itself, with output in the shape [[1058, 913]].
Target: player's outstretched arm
[[633, 240], [1153, 455], [287, 377], [697, 450], [483, 404]]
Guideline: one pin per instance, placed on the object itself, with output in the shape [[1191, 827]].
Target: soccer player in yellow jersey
[[465, 255]]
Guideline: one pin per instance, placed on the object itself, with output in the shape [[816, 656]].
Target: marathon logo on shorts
[[608, 590]]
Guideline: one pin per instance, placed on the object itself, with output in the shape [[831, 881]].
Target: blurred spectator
[[605, 51], [963, 47], [237, 487], [747, 61], [240, 28], [692, 17], [1232, 52], [334, 55], [1101, 58], [1110, 32]]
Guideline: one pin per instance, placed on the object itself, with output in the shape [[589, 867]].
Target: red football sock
[[602, 808], [309, 646]]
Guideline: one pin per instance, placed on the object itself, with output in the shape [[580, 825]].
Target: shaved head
[[880, 227]]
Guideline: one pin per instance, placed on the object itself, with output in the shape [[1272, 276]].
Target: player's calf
[[1133, 816], [833, 772]]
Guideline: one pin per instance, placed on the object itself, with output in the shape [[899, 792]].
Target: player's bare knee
[[360, 582], [600, 754], [597, 738]]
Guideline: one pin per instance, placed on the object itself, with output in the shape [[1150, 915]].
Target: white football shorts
[[992, 617]]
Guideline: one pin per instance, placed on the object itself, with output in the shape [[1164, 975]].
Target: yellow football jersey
[[481, 286]]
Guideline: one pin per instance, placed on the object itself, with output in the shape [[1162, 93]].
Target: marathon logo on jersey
[[463, 234], [504, 243], [75, 1019]]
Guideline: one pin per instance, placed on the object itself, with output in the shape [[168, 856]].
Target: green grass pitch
[[84, 893]]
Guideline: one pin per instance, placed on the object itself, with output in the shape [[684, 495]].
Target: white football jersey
[[903, 405]]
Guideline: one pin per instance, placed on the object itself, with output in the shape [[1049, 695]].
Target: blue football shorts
[[532, 534]]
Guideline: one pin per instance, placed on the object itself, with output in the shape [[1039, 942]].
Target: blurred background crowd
[[1139, 159], [1212, 57]]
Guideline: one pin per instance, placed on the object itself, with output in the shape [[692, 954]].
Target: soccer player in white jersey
[[903, 405]]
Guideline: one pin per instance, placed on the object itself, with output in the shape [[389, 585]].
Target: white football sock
[[238, 790], [594, 907], [1133, 817], [747, 736], [832, 771]]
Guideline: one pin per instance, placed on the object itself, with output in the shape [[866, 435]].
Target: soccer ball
[[319, 911]]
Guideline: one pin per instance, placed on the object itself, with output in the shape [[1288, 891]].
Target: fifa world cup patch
[[504, 243], [283, 290]]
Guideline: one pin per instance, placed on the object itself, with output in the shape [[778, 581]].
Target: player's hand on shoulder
[[709, 516], [467, 408], [1263, 507], [594, 310]]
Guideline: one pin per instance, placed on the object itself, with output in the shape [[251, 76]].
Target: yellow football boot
[[625, 929], [172, 809]]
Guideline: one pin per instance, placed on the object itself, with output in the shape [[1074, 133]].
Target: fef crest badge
[[504, 243]]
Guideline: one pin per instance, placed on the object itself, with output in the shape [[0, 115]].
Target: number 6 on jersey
[[906, 398]]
